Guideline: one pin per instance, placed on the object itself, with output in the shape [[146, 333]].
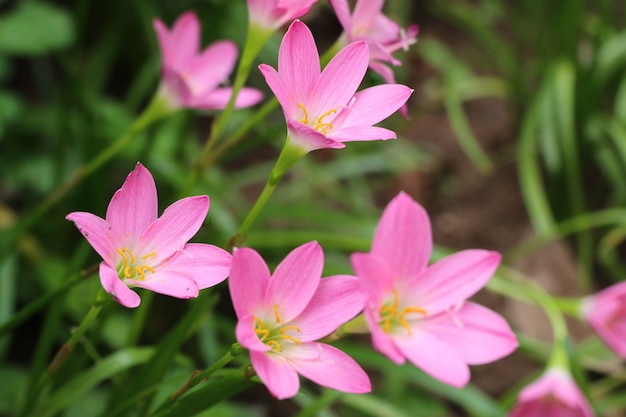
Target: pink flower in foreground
[[141, 250], [606, 313], [419, 312], [555, 394], [272, 14], [322, 109], [383, 36], [282, 315], [190, 78]]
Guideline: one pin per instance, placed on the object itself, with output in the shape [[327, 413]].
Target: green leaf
[[34, 28]]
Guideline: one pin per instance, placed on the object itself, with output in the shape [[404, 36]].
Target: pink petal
[[178, 223], [249, 278], [284, 95], [337, 300], [384, 71], [342, 10], [361, 133], [114, 286], [208, 265], [133, 207], [403, 237], [375, 275], [333, 369], [97, 232], [376, 103], [173, 283], [451, 280], [381, 341], [295, 280], [434, 356], [366, 11], [247, 337], [185, 39], [219, 97], [278, 375], [308, 139], [165, 43], [212, 67]]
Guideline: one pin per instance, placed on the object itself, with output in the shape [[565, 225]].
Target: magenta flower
[[606, 313], [322, 109], [383, 36], [272, 14], [419, 312], [282, 315], [140, 250], [555, 394], [190, 79]]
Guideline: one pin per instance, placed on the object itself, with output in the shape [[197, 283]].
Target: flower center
[[277, 335], [132, 267], [391, 316], [319, 125]]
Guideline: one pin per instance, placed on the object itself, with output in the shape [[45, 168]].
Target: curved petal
[[366, 12], [333, 369], [294, 281], [375, 275], [298, 61], [383, 342], [284, 95], [173, 283], [403, 237], [249, 278], [114, 286], [219, 97], [435, 357], [361, 133], [178, 223], [308, 139], [452, 280], [342, 11], [185, 38], [247, 337], [212, 67], [278, 375], [97, 232], [384, 71], [337, 300], [376, 103], [133, 207], [165, 43], [208, 265]]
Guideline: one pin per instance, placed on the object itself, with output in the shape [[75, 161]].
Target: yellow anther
[[321, 126], [305, 119], [293, 339], [390, 315], [123, 255], [274, 345], [127, 271], [148, 256], [141, 271], [276, 313]]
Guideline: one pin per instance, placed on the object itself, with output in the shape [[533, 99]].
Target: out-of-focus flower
[[190, 78], [419, 312], [555, 394], [272, 14], [281, 316], [140, 250], [322, 109], [606, 313], [383, 35]]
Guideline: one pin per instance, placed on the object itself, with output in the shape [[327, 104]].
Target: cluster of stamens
[[320, 125], [391, 315], [128, 269], [274, 337]]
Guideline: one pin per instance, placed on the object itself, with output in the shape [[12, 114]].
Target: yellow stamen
[[321, 126], [127, 271], [305, 119], [148, 256], [274, 345], [276, 313], [390, 314]]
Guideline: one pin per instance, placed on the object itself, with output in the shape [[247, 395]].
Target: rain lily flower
[[419, 312], [322, 109], [606, 313], [272, 14], [191, 79], [555, 394], [383, 36], [140, 250], [280, 317]]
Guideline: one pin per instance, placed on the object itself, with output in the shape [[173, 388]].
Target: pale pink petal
[[298, 61], [333, 369], [173, 283], [249, 278], [363, 133], [606, 313], [376, 103], [403, 237], [212, 67], [97, 232], [294, 281], [342, 10], [165, 43], [114, 286], [178, 223], [384, 71], [219, 97], [308, 139], [185, 36], [133, 207], [375, 275], [434, 356], [451, 280], [207, 264], [366, 11], [246, 335], [381, 341], [478, 334], [278, 375], [337, 300], [284, 95]]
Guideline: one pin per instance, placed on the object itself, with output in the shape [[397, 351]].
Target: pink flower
[[140, 250], [419, 312], [191, 79], [383, 36], [280, 317], [555, 394], [606, 313], [272, 14], [322, 109]]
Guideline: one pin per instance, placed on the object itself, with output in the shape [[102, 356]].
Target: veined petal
[[249, 278], [284, 96], [381, 341], [451, 280], [309, 139], [362, 133], [333, 369], [337, 300], [342, 11], [403, 237], [208, 265], [434, 356], [278, 375], [376, 103], [219, 97], [133, 207], [247, 337], [97, 232], [212, 67], [178, 223], [114, 286], [366, 12], [173, 283], [295, 280], [375, 274], [185, 36], [298, 61]]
